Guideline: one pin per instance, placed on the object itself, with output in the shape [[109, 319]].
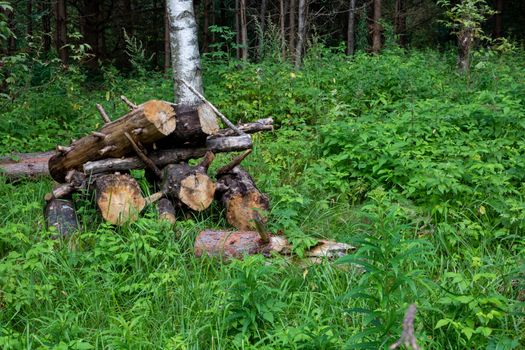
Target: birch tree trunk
[[185, 56], [350, 35], [301, 31]]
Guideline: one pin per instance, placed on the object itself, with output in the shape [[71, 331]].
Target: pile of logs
[[162, 137]]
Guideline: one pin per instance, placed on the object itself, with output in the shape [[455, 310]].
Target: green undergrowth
[[420, 168]]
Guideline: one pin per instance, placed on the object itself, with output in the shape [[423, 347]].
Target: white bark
[[185, 55]]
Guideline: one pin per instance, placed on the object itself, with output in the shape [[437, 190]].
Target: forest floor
[[421, 168]]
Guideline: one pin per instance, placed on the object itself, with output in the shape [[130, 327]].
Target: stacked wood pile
[[162, 137]]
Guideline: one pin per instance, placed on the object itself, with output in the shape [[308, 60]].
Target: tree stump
[[189, 186], [60, 213]]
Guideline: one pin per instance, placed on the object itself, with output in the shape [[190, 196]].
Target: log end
[[208, 119], [243, 210], [166, 211], [119, 199], [197, 191], [162, 115]]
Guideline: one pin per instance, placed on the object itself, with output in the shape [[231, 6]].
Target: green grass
[[420, 168]]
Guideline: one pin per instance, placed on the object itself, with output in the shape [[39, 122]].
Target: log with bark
[[147, 123], [189, 186], [242, 200], [166, 211], [22, 165], [237, 244], [60, 214]]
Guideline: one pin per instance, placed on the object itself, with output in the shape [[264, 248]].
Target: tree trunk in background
[[292, 33], [244, 30], [283, 35], [61, 30], [167, 50], [400, 22], [237, 30], [30, 17], [350, 34], [206, 25], [185, 56], [11, 44], [262, 20], [376, 27], [90, 29], [301, 31], [45, 10], [498, 23]]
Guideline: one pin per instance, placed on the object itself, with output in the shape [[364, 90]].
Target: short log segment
[[189, 186], [166, 211], [237, 244], [60, 214], [241, 198], [149, 122], [118, 198], [22, 165]]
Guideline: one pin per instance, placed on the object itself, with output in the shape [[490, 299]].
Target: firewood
[[60, 213], [119, 198], [237, 244], [248, 128], [155, 118], [189, 186], [162, 158], [166, 211], [241, 198]]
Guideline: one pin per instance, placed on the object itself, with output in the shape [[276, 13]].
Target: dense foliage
[[422, 169]]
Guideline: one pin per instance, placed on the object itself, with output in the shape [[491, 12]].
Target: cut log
[[237, 244], [170, 156], [21, 165], [189, 186], [166, 211], [241, 198], [118, 198], [60, 214], [149, 122]]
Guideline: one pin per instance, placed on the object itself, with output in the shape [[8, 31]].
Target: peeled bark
[[147, 123], [189, 186], [242, 200], [60, 214], [119, 198]]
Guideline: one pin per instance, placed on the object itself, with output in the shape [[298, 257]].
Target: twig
[[130, 104], [206, 160], [154, 197], [408, 337], [223, 118], [235, 161], [143, 156], [103, 113]]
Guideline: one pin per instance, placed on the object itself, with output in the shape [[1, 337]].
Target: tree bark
[[283, 33], [166, 211], [185, 56], [241, 198], [61, 214], [238, 33], [119, 198], [164, 157], [244, 30], [148, 123], [301, 30], [376, 27], [189, 186], [23, 165], [465, 41], [292, 28], [350, 33], [61, 30]]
